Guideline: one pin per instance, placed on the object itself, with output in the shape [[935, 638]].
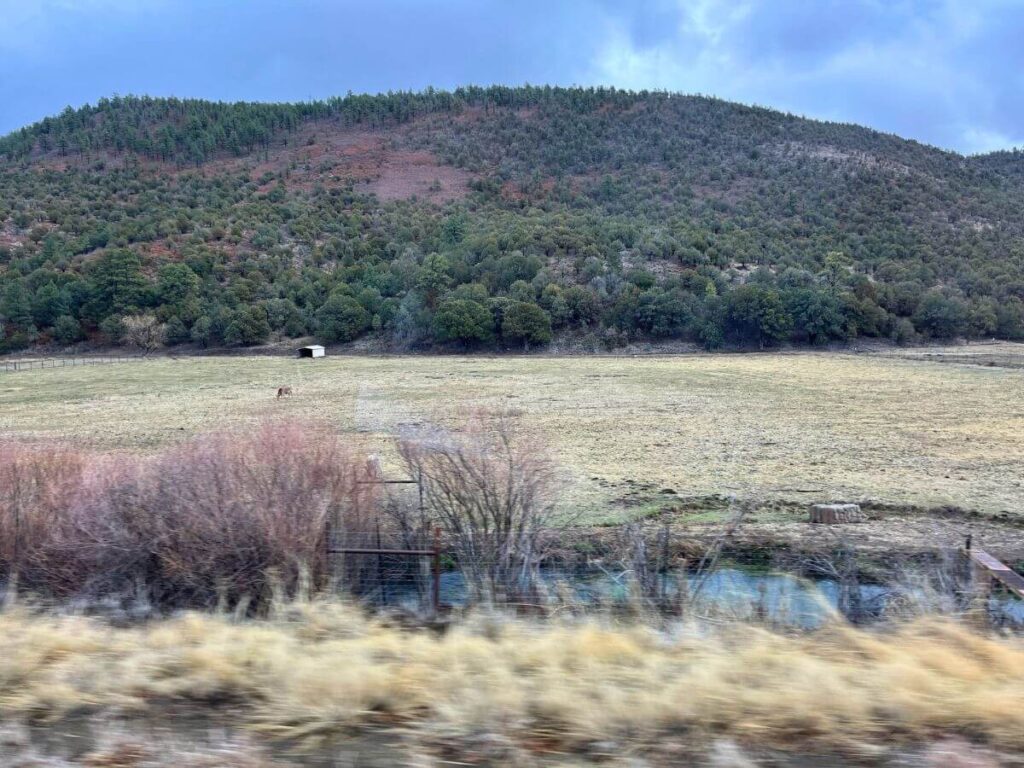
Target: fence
[[388, 573], [661, 568], [11, 366]]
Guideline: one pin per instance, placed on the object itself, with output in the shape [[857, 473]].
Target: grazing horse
[[282, 391]]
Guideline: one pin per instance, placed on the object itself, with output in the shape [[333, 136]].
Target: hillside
[[497, 218]]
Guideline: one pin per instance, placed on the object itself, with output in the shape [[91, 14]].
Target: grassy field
[[802, 426]]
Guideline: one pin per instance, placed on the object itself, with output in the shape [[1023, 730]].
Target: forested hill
[[497, 218]]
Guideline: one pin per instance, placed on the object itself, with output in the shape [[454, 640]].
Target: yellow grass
[[803, 426], [325, 669]]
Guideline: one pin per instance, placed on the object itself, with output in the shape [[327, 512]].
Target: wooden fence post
[[437, 572]]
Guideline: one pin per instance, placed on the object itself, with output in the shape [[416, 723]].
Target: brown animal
[[282, 391]]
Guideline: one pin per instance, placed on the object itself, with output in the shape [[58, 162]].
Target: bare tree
[[647, 562], [143, 331], [492, 489], [841, 566], [739, 510]]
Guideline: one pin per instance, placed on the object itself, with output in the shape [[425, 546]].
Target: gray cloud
[[945, 73]]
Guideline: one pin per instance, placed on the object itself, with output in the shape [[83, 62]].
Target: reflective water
[[733, 592]]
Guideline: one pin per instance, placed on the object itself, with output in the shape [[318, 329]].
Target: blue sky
[[943, 72]]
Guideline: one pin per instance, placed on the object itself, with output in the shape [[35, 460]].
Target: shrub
[[39, 487], [493, 490], [525, 323], [67, 330], [463, 321], [228, 516], [342, 318]]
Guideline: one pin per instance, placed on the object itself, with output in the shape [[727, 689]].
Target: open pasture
[[800, 427]]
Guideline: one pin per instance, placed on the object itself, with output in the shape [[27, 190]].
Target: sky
[[948, 73]]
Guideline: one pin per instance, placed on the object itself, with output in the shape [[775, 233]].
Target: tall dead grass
[[322, 669], [227, 516]]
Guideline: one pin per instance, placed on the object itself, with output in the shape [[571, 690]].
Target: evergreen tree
[[118, 283], [67, 330], [48, 305], [754, 313], [342, 318], [17, 307], [525, 323], [463, 321], [247, 326]]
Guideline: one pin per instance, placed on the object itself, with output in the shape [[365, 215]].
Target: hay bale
[[830, 514]]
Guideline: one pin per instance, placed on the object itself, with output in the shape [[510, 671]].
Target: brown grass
[[799, 427], [324, 669]]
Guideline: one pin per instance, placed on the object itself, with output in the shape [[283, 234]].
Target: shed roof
[[314, 346]]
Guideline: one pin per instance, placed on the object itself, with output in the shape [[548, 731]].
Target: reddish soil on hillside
[[322, 153], [403, 175]]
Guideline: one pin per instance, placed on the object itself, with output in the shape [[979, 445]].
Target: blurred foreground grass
[[322, 669]]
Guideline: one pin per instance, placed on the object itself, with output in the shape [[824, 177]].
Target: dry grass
[[324, 669], [805, 426]]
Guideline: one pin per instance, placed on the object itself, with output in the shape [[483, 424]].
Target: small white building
[[313, 350]]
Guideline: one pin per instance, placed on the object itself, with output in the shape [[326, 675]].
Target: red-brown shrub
[[220, 516], [39, 485]]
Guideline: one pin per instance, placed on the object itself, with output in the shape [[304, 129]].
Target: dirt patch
[[323, 153], [9, 238], [162, 250], [326, 154], [985, 354], [403, 175], [889, 534], [845, 157], [731, 193], [470, 115]]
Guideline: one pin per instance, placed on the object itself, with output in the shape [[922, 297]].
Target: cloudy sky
[[946, 72]]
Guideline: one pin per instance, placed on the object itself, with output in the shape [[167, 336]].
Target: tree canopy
[[564, 211]]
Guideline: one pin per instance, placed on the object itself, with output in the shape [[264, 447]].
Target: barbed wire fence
[[661, 568], [13, 366]]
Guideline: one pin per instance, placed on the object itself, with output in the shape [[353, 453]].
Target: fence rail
[[662, 568], [11, 366]]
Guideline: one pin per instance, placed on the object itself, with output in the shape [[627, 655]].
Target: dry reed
[[324, 668]]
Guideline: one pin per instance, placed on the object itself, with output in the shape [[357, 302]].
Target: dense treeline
[[193, 130], [603, 214]]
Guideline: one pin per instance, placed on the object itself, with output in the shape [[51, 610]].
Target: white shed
[[313, 350]]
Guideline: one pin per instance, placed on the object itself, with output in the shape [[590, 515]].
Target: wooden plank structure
[[988, 567]]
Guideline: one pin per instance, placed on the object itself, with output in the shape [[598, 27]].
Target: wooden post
[[981, 589], [328, 528], [380, 573], [437, 571]]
